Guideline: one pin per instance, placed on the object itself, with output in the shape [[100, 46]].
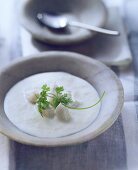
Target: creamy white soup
[[27, 118]]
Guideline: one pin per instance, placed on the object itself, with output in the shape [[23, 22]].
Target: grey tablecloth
[[116, 149], [106, 152]]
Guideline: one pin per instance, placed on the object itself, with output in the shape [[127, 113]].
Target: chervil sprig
[[59, 90], [42, 100], [57, 97], [46, 99], [60, 97]]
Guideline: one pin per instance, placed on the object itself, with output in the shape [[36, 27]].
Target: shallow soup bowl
[[96, 73]]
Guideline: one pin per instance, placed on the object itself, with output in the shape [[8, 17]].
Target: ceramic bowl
[[96, 73], [91, 12]]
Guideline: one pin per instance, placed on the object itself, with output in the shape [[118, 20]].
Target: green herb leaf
[[42, 100], [55, 102], [65, 99], [59, 89], [45, 88]]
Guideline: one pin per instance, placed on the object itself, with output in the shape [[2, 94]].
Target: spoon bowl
[[53, 21]]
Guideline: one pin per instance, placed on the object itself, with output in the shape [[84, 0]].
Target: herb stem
[[83, 108], [52, 94]]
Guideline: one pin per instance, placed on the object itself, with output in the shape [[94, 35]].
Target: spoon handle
[[93, 28]]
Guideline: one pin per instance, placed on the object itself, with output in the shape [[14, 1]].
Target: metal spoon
[[58, 21]]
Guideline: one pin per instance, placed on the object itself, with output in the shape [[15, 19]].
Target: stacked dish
[[92, 12]]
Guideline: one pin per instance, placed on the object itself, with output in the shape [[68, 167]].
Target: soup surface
[[26, 117]]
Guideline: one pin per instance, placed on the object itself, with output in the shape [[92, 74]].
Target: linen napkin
[[116, 149]]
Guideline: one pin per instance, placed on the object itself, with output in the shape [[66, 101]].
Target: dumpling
[[49, 113], [62, 113], [32, 98]]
